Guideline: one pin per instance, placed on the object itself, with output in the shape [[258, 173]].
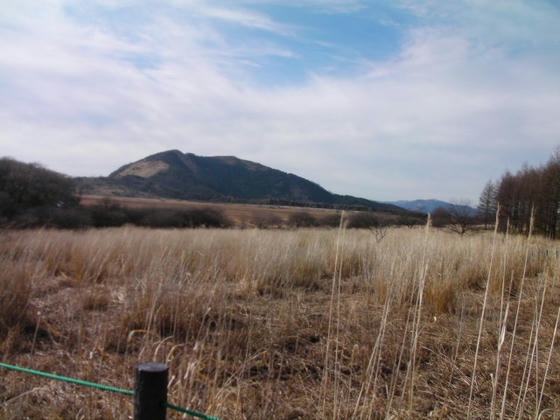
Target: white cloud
[[246, 18], [438, 119], [321, 6]]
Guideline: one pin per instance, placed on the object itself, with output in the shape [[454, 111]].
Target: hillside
[[185, 176], [428, 206]]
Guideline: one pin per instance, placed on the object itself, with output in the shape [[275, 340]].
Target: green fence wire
[[102, 387]]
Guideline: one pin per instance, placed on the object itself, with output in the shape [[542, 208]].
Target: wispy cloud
[[246, 18], [454, 106], [321, 6]]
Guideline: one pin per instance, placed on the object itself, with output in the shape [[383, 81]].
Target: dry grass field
[[258, 324], [242, 215]]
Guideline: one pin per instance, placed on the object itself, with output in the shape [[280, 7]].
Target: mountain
[[428, 206], [186, 176]]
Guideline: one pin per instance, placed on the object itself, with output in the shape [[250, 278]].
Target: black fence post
[[150, 391]]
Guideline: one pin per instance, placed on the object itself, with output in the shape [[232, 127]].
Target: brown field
[[258, 324], [240, 214]]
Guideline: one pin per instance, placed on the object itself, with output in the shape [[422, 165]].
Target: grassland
[[287, 324], [240, 214]]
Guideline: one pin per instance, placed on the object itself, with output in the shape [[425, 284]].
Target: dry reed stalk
[[396, 365], [498, 354], [483, 312], [538, 406], [418, 314], [378, 358], [534, 355], [514, 331], [337, 342], [416, 333], [412, 310], [325, 380], [502, 329], [364, 389], [241, 317], [457, 345], [504, 275]]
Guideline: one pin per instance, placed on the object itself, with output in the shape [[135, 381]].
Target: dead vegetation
[[308, 323], [254, 215]]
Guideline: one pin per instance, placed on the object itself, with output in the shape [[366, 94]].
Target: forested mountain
[[173, 174]]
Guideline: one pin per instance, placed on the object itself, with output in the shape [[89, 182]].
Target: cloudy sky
[[388, 99]]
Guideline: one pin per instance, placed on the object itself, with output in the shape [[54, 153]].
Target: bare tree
[[379, 232], [487, 203], [25, 186], [549, 203], [461, 218], [458, 217], [409, 221], [440, 217], [530, 188]]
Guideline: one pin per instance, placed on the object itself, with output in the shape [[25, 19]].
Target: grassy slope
[[277, 324]]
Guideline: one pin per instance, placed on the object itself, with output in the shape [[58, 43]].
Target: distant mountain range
[[428, 206], [186, 176]]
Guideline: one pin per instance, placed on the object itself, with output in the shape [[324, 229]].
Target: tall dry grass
[[283, 324]]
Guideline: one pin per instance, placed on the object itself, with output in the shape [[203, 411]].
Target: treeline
[[32, 196], [80, 217], [530, 189], [352, 220], [25, 186], [346, 203]]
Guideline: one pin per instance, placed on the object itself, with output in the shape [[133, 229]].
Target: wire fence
[[101, 387]]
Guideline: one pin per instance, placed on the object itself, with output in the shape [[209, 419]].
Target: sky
[[387, 100]]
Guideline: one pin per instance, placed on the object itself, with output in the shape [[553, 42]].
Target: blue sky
[[381, 99]]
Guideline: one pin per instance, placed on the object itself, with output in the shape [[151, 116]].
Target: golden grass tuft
[[307, 323], [15, 284]]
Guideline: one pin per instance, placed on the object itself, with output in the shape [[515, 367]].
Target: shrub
[[166, 218], [302, 219], [440, 217], [409, 221], [332, 220], [362, 220], [74, 218], [207, 216], [107, 216], [264, 220], [63, 218], [15, 294]]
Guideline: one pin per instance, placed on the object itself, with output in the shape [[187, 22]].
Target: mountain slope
[[186, 176], [181, 175], [428, 206]]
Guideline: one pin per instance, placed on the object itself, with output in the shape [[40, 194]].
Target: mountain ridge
[[429, 205], [173, 174]]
